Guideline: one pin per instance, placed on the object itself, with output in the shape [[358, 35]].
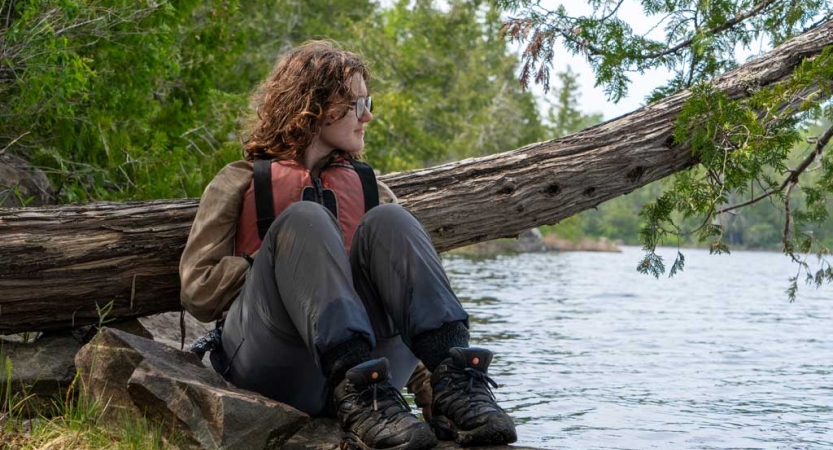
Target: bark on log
[[58, 263]]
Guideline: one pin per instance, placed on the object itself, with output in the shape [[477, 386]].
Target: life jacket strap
[[368, 179], [264, 203]]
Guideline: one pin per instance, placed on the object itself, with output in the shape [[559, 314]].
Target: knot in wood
[[552, 190], [507, 187], [635, 174], [445, 230], [750, 85]]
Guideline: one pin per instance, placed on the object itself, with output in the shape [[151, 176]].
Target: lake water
[[592, 355]]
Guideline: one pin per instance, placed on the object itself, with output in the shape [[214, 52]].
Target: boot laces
[[474, 375], [376, 392], [467, 394]]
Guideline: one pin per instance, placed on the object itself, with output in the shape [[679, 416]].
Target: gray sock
[[432, 346], [343, 357]]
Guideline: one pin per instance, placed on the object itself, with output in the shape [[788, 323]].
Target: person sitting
[[331, 295]]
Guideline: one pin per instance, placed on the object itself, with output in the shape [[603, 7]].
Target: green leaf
[[678, 265]]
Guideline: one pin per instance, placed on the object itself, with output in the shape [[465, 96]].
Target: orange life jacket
[[346, 187]]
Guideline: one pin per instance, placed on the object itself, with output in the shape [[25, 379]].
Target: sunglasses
[[361, 104]]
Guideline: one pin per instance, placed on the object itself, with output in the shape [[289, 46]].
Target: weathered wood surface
[[58, 263]]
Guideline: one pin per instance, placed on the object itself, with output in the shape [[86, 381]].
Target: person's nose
[[367, 116]]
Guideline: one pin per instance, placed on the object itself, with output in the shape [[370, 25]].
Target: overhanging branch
[[793, 177]]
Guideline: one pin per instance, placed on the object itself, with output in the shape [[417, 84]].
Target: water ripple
[[592, 355]]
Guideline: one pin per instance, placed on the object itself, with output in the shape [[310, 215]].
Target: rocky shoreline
[[136, 369], [554, 243], [532, 241]]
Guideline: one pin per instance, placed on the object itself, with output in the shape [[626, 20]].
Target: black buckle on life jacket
[[265, 204], [329, 201]]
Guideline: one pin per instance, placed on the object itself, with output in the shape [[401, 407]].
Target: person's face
[[347, 133]]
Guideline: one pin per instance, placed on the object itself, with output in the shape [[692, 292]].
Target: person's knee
[[307, 217], [306, 212], [389, 215]]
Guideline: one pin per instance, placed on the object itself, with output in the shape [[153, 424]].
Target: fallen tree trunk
[[58, 265]]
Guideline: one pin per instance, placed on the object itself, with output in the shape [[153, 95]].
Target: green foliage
[[757, 226], [268, 28], [118, 100], [749, 151], [108, 94], [564, 116], [741, 146], [10, 400], [693, 39], [445, 86], [8, 191], [678, 265]]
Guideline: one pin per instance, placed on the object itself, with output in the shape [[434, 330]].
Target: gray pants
[[304, 295]]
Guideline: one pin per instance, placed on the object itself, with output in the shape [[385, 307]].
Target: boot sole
[[491, 433], [419, 441]]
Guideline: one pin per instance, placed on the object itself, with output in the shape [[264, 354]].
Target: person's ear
[[327, 118]]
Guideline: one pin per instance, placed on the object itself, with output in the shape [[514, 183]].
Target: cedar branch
[[792, 178]]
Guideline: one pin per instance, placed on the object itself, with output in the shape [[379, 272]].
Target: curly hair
[[307, 83]]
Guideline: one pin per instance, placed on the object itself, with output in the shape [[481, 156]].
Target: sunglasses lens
[[362, 104]]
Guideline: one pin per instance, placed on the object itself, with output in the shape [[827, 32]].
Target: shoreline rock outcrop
[[42, 368], [533, 241], [132, 375], [136, 375]]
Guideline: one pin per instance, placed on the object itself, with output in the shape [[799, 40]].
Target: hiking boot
[[464, 407], [374, 415]]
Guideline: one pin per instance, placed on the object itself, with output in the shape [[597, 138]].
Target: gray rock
[[174, 387], [44, 368], [86, 333], [132, 326], [24, 338], [105, 365], [165, 328], [18, 180], [531, 241], [43, 365]]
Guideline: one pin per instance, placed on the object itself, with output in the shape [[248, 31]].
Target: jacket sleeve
[[420, 385], [210, 274], [385, 194]]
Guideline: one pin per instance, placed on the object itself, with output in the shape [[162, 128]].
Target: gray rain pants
[[304, 295]]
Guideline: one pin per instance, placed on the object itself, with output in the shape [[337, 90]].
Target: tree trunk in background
[[57, 264]]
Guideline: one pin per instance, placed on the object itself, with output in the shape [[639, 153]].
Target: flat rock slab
[[324, 434], [174, 387], [41, 370], [165, 328]]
